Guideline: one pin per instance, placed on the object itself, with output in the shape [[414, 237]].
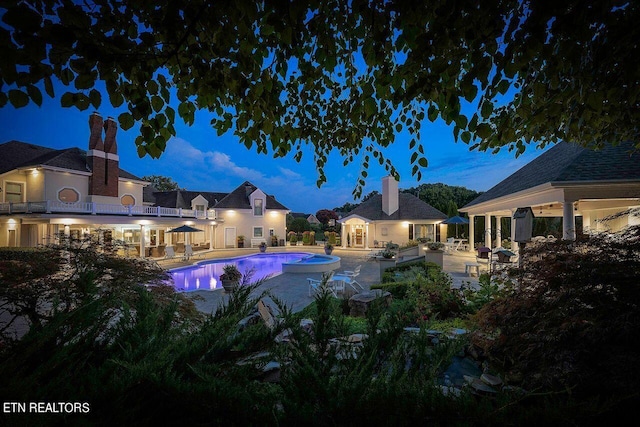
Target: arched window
[[68, 195], [127, 200]]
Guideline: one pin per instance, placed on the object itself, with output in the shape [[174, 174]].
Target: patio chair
[[169, 252], [348, 277], [315, 285], [188, 252]]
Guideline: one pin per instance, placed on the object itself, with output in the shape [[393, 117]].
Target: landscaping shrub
[[391, 274], [397, 289], [18, 265], [142, 355], [571, 322]]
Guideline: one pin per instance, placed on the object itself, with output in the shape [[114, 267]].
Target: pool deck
[[292, 288]]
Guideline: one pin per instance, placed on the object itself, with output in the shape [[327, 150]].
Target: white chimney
[[389, 195]]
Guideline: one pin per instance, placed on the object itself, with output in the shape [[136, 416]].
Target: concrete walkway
[[293, 289]]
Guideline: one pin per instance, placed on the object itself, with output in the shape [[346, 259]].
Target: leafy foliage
[[324, 215], [299, 225], [572, 318], [142, 355], [445, 198], [162, 183], [335, 75]]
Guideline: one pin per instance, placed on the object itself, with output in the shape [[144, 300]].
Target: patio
[[292, 288]]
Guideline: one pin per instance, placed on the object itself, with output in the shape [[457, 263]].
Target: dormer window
[[258, 207]]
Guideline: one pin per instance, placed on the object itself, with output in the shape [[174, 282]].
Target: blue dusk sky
[[200, 160]]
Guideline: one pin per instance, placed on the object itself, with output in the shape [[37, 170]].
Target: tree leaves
[[333, 75], [18, 98]]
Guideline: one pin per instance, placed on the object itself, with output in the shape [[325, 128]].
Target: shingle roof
[[16, 154], [409, 207], [239, 199], [183, 198], [568, 162]]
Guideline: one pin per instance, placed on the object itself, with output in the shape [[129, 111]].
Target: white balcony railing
[[91, 208]]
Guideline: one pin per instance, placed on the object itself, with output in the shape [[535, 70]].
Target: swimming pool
[[206, 275]]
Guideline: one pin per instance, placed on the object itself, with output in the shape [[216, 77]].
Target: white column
[[568, 221], [498, 231], [343, 236], [67, 230], [211, 235], [366, 237], [472, 230], [487, 230], [142, 242], [514, 244]]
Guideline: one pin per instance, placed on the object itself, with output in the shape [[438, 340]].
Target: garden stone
[[359, 303]]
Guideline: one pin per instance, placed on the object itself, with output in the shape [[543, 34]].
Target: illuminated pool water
[[206, 275]]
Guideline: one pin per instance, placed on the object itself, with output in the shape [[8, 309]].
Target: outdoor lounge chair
[[315, 285], [348, 277], [188, 252], [169, 252]]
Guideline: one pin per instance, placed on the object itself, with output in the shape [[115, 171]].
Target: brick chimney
[[112, 161], [389, 195], [96, 155], [102, 158]]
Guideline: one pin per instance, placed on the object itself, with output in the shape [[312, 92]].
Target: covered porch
[[593, 202]]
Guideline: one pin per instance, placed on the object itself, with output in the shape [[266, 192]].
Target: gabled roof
[[568, 162], [409, 207], [299, 215], [16, 154], [239, 199], [183, 198]]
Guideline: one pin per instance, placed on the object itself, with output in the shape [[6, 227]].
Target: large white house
[[390, 217], [46, 193]]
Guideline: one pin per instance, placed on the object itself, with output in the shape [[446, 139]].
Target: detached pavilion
[[566, 181]]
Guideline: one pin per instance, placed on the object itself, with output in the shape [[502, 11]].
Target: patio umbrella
[[184, 229], [456, 220]]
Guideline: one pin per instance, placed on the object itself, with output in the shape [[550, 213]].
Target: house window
[[257, 232], [68, 195], [425, 231], [257, 207], [272, 232], [410, 231], [384, 231], [127, 200], [200, 208], [14, 192]]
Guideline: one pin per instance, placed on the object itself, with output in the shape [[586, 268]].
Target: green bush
[[571, 320], [396, 289], [393, 273]]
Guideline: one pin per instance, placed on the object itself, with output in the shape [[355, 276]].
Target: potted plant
[[293, 239], [435, 246], [274, 240], [230, 278], [241, 241], [263, 246], [328, 248], [435, 253]]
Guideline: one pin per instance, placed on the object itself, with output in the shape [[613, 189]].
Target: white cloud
[[222, 162]]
